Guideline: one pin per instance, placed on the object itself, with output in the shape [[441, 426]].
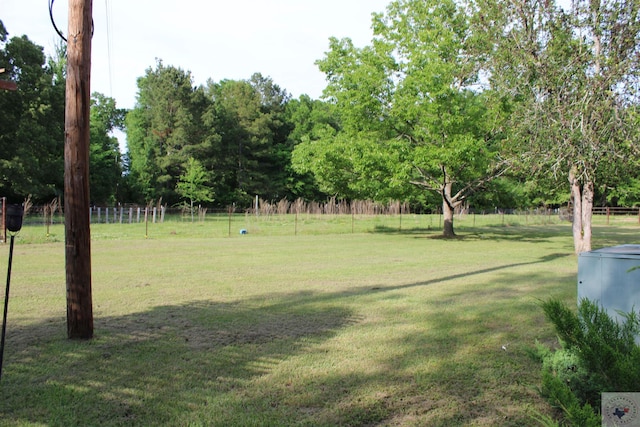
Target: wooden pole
[[76, 172]]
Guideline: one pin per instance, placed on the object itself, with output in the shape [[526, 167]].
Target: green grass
[[196, 328]]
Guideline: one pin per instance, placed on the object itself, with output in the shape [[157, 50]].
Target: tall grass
[[393, 326]]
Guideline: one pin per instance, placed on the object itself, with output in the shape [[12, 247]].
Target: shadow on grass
[[383, 229], [151, 368], [495, 386], [201, 363], [533, 233], [604, 236]]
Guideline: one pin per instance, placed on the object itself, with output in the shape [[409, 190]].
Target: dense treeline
[[454, 103], [239, 132]]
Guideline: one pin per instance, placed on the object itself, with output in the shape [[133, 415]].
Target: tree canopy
[[32, 127], [32, 121], [452, 104], [573, 76], [192, 184], [411, 109]]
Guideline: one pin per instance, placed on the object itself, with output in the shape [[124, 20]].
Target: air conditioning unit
[[611, 276]]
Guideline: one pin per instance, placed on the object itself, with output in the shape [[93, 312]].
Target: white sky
[[213, 39]]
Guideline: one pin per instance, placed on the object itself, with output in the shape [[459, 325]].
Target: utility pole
[[76, 171]]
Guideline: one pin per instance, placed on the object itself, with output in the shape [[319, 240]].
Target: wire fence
[[333, 216]]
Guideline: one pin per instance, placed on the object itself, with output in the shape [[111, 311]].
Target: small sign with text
[[621, 409]]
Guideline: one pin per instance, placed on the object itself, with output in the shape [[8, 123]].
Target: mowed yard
[[355, 329]]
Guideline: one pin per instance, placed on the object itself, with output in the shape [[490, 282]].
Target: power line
[[53, 21], [55, 27], [107, 5]]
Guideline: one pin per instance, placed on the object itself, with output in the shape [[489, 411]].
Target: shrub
[[598, 354]]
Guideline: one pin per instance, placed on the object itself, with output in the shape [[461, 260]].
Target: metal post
[[3, 230], [13, 216], [6, 305]]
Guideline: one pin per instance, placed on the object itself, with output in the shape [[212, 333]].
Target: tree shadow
[[454, 390], [158, 367], [383, 229], [521, 233], [604, 236], [147, 368]]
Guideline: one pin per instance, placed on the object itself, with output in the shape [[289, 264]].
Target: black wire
[[53, 22]]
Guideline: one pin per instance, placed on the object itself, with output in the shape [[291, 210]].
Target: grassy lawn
[[195, 326]]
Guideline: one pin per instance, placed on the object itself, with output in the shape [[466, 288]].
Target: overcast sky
[[214, 39]]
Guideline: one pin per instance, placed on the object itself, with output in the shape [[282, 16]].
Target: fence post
[[99, 215], [155, 210], [353, 219], [608, 213]]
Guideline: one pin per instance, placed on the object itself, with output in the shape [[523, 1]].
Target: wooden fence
[[53, 214], [610, 212]]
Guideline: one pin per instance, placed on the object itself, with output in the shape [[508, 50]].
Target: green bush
[[599, 354]]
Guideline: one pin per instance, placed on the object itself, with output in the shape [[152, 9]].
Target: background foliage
[[452, 104]]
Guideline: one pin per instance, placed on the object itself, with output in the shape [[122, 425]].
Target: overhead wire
[[109, 14], [53, 22]]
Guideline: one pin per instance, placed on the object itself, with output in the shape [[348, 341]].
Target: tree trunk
[[582, 196], [447, 211], [447, 214]]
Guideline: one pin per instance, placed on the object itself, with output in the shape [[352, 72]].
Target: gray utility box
[[604, 276]]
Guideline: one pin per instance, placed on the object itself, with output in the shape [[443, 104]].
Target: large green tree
[[105, 168], [249, 157], [574, 76], [32, 121], [164, 129], [310, 121], [411, 107]]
